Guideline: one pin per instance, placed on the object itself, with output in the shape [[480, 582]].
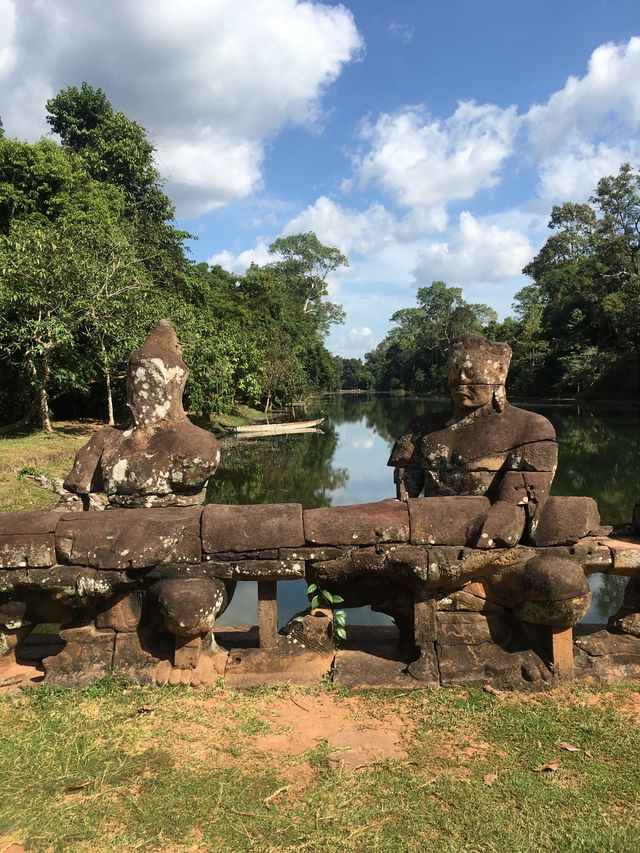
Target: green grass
[[117, 768], [47, 454]]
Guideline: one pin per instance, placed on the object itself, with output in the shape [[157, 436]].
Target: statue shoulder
[[406, 449], [527, 426]]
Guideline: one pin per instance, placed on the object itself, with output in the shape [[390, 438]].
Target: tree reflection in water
[[599, 457]]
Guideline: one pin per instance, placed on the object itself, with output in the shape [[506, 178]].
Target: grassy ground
[[114, 767], [119, 768], [47, 454]]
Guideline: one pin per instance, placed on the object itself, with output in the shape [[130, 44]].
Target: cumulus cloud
[[239, 263], [424, 163], [607, 95], [208, 81], [478, 252], [363, 333], [348, 229], [574, 172]]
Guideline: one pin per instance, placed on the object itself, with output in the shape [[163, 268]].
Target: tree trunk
[[107, 379], [43, 397]]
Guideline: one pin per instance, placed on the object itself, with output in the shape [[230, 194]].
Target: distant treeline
[[90, 260], [575, 329]]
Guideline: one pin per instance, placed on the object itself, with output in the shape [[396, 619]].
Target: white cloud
[[572, 175], [607, 96], [478, 252], [210, 80], [349, 230], [259, 254], [363, 333], [402, 32], [424, 164]]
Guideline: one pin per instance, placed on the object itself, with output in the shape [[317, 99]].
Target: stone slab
[[254, 527], [33, 550], [257, 570], [28, 523], [130, 538], [278, 666], [447, 520], [357, 669], [565, 520], [86, 657], [358, 524]]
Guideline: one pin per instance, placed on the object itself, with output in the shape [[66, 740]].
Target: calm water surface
[[346, 464]]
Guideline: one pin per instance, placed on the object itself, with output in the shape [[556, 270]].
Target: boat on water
[[275, 429]]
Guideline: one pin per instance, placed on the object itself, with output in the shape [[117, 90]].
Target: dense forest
[[576, 329], [91, 259]]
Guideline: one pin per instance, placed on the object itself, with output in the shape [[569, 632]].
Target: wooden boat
[[275, 429]]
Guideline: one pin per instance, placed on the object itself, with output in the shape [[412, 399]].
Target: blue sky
[[428, 140]]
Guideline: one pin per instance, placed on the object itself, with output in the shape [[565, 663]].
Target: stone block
[[255, 527], [130, 538], [136, 654], [256, 570], [28, 523], [27, 550], [448, 520], [490, 663], [357, 669], [123, 615], [86, 657], [359, 524], [471, 629], [564, 521], [277, 666]]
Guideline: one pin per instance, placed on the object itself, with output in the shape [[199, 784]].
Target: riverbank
[[122, 768]]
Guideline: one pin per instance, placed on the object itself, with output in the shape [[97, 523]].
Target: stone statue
[[161, 458], [484, 446]]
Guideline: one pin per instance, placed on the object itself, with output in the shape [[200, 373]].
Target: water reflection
[[599, 457]]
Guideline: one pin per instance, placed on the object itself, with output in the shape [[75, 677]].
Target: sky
[[427, 140]]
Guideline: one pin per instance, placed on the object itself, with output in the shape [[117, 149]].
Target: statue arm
[[521, 494]]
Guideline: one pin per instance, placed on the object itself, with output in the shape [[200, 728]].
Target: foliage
[[414, 354], [319, 596], [90, 260]]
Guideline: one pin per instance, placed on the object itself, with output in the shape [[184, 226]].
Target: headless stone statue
[[161, 458], [483, 447]]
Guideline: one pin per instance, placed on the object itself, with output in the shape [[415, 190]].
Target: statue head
[[477, 373], [156, 377]]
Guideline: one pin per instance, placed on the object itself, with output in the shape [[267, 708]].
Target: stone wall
[[139, 590]]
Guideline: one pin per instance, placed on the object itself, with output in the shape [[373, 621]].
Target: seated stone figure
[[161, 459], [484, 446]]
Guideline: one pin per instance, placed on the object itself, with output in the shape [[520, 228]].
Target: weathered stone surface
[[162, 453], [447, 520], [136, 654], [188, 607], [312, 631], [361, 524], [27, 550], [279, 666], [264, 554], [489, 663], [620, 648], [471, 629], [355, 564], [565, 520], [364, 669], [123, 614], [625, 552], [86, 657], [26, 539], [593, 554], [251, 528], [467, 600], [129, 539], [312, 554], [503, 526], [257, 569]]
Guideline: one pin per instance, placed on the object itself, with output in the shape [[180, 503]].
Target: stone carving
[[161, 459], [484, 446], [484, 573]]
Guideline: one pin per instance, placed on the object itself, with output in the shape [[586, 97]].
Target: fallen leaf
[[568, 746], [489, 688], [539, 744], [547, 767], [145, 709], [588, 754], [489, 779], [77, 786]]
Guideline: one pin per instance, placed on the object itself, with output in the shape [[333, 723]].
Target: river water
[[346, 464]]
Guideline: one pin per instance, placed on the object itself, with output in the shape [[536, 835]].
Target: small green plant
[[339, 617]]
